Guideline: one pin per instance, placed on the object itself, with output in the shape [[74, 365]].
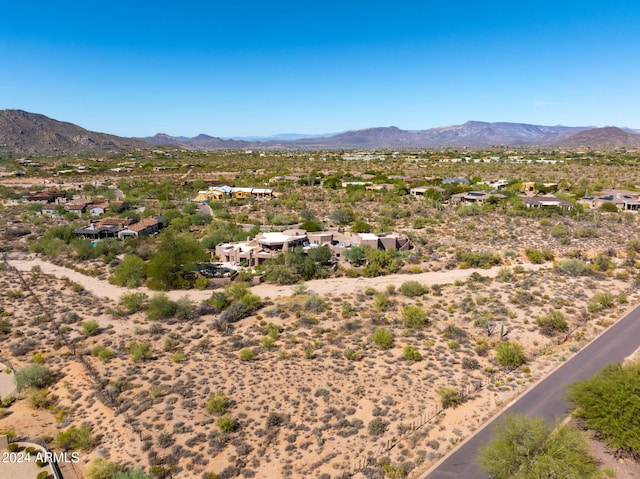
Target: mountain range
[[30, 133]]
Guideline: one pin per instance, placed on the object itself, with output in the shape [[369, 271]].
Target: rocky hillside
[[27, 133]]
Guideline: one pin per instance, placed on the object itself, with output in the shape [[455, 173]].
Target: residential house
[[46, 196], [474, 197], [144, 227], [422, 190], [623, 199], [268, 245], [545, 202]]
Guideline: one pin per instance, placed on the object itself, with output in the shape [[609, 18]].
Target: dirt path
[[351, 285], [102, 288]]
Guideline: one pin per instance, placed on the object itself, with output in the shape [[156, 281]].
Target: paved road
[[546, 399]]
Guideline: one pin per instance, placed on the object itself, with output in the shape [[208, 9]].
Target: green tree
[[343, 216], [170, 265], [321, 255], [132, 272], [528, 448], [609, 403], [355, 255], [360, 226]]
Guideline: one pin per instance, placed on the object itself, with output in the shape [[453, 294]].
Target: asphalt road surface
[[547, 398]]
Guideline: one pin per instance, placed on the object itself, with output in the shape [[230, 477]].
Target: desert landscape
[[357, 373]]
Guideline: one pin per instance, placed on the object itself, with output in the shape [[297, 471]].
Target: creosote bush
[[553, 323], [450, 397], [509, 354], [226, 423], [218, 403], [383, 338], [33, 376]]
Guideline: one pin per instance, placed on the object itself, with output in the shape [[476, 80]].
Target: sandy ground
[[342, 285], [303, 409]]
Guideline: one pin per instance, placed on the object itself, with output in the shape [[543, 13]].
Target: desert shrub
[[226, 423], [33, 376], [314, 303], [587, 233], [218, 301], [414, 316], [23, 346], [537, 256], [134, 301], [235, 313], [133, 474], [482, 347], [43, 475], [510, 354], [413, 288], [218, 403], [103, 354], [139, 351], [352, 355], [601, 301], [267, 342], [608, 207], [505, 275], [185, 309], [161, 307], [470, 363], [410, 353], [41, 399], [5, 326], [75, 438], [90, 328], [165, 439], [552, 323], [454, 332], [247, 354], [381, 302], [559, 231], [472, 259], [450, 397], [572, 267], [601, 263], [102, 469], [377, 426], [609, 403], [383, 338], [276, 419]]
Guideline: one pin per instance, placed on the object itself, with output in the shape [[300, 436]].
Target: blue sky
[[227, 69]]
